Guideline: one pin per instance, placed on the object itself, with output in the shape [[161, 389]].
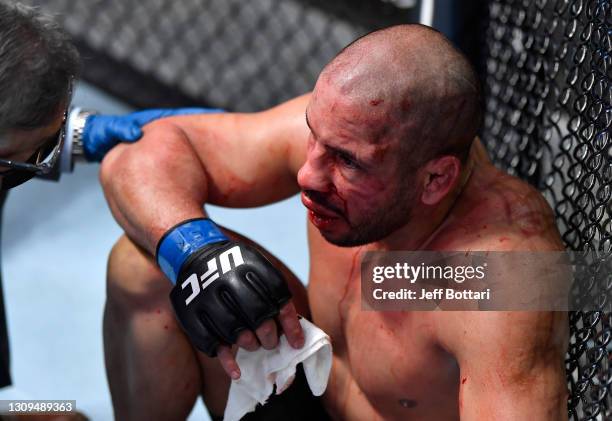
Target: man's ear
[[440, 176]]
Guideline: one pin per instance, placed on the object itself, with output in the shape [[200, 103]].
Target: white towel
[[261, 369]]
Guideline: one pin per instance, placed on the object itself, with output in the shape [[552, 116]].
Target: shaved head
[[392, 103], [423, 90]]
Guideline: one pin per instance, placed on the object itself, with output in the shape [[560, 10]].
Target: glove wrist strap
[[181, 241]]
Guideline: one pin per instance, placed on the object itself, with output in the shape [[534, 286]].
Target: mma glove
[[102, 132], [221, 287]]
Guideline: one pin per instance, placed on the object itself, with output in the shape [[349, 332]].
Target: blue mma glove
[[221, 287], [102, 132]]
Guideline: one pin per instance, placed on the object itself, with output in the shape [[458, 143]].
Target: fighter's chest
[[335, 303], [387, 355]]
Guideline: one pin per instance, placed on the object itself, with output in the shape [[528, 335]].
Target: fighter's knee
[[133, 278], [111, 163], [161, 140]]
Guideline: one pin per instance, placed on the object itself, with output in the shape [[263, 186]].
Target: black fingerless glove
[[222, 287]]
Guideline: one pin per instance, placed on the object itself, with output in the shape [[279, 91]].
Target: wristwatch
[[72, 149]]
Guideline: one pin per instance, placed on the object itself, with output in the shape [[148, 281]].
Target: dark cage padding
[[546, 76]]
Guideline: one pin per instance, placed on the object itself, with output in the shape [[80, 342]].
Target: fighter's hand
[[266, 335], [102, 132], [228, 293]]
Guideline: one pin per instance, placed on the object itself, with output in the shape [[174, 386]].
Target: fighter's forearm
[[154, 184]]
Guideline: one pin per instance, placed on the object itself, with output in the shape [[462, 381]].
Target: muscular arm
[[511, 363], [181, 163]]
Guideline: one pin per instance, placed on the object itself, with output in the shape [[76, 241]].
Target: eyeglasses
[[44, 159]]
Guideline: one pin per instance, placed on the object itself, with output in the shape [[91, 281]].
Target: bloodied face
[[354, 183]]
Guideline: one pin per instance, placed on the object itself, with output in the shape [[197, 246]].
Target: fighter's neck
[[426, 225]]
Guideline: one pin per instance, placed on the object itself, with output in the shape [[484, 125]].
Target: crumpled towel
[[262, 369]]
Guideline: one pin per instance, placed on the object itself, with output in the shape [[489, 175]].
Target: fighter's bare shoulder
[[289, 122], [501, 213]]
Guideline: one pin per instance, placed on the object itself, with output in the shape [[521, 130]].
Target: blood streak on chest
[[461, 395]]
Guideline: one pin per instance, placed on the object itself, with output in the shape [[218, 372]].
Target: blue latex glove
[[102, 132]]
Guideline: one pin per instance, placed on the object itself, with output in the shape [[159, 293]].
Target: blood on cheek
[[347, 188], [354, 196], [341, 199]]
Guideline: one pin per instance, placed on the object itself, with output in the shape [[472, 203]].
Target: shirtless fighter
[[385, 156]]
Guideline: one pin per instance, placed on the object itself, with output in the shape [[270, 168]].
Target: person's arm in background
[[92, 135]]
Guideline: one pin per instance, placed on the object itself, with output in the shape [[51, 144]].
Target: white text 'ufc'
[[212, 273]]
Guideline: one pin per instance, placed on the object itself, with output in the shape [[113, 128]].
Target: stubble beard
[[379, 224]]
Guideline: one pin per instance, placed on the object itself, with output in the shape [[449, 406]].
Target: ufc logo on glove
[[212, 273], [233, 286]]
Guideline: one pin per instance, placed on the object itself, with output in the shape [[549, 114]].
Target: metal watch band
[[77, 131]]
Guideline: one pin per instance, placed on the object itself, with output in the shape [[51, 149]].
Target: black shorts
[[296, 404]]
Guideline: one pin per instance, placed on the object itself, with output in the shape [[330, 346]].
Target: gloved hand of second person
[[224, 289], [102, 132]]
